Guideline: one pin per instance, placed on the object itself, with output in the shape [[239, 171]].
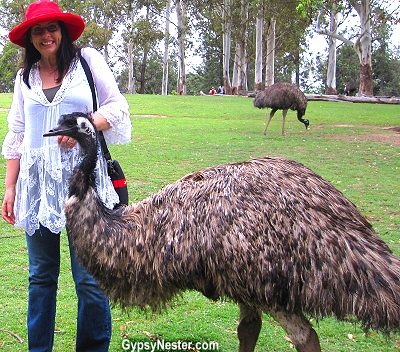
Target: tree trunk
[[226, 43], [144, 61], [164, 86], [259, 54], [181, 20], [363, 46], [331, 72], [270, 66], [131, 64], [366, 82], [235, 75], [106, 51], [131, 70], [240, 69], [143, 73], [296, 59]]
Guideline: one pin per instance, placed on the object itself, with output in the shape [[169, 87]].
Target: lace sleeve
[[16, 124], [11, 145], [112, 104]]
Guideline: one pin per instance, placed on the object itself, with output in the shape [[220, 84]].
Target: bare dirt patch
[[151, 115], [388, 135]]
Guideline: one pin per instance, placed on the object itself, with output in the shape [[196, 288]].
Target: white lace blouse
[[45, 167]]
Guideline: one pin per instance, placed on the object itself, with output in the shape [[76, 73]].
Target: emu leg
[[299, 330], [284, 112], [271, 115], [249, 327]]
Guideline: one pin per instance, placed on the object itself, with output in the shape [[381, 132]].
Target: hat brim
[[74, 23]]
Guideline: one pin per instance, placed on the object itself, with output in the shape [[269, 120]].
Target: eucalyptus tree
[[213, 26], [181, 14], [290, 41], [270, 54], [226, 44], [164, 84], [12, 12], [331, 76], [103, 19], [142, 35], [9, 60], [280, 31], [362, 42], [258, 67], [384, 58]]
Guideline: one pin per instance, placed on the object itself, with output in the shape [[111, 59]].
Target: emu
[[268, 233], [350, 88], [282, 96]]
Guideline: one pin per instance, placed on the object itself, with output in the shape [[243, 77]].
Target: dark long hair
[[66, 55]]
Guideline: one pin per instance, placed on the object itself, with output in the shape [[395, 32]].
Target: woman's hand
[[7, 208], [66, 142]]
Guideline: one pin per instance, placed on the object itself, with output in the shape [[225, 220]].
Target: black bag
[[113, 167], [118, 180]]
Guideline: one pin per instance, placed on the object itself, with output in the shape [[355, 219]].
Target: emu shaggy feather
[[269, 233]]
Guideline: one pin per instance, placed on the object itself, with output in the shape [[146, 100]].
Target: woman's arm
[[7, 209], [112, 116]]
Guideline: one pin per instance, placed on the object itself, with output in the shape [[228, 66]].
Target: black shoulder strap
[[86, 68]]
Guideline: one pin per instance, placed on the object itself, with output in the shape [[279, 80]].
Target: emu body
[[350, 88], [282, 96], [269, 234]]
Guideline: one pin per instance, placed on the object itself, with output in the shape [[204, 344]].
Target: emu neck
[[83, 176]]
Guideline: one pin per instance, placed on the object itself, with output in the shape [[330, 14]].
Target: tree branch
[[323, 31], [13, 335]]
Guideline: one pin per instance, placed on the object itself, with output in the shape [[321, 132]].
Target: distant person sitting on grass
[[212, 91]]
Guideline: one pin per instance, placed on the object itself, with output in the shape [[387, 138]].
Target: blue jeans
[[94, 316]]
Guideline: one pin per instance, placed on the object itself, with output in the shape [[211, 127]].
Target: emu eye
[[70, 123]]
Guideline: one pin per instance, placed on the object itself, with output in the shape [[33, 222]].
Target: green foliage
[[8, 64], [308, 8], [348, 67], [350, 145]]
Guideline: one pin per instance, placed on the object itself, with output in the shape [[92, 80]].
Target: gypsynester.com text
[[161, 345]]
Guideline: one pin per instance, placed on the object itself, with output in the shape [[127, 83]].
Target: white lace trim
[[42, 188], [11, 145], [36, 85]]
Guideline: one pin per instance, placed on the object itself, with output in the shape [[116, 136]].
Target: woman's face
[[46, 38]]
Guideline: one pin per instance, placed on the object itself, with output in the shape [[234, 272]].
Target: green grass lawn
[[353, 146]]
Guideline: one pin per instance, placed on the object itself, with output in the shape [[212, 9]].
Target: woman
[[51, 83]]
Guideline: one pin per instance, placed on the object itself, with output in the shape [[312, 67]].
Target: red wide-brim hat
[[46, 11]]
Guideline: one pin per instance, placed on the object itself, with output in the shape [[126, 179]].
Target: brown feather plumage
[[267, 233], [282, 96]]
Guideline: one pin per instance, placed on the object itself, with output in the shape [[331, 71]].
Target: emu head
[[77, 125], [300, 114]]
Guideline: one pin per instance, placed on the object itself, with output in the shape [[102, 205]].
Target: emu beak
[[50, 133], [57, 131]]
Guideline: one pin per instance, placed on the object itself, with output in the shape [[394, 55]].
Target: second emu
[[282, 96]]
